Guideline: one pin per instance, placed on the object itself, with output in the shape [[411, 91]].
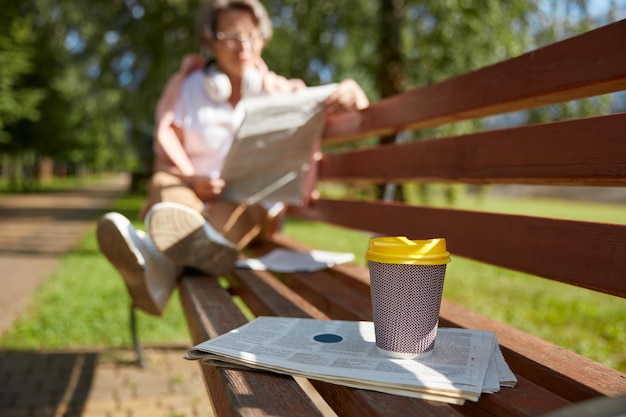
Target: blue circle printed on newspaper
[[328, 338]]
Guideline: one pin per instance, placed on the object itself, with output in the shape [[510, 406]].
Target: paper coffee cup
[[406, 279]]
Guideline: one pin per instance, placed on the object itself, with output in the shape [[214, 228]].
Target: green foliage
[[447, 38], [91, 59], [17, 50], [339, 43], [79, 80]]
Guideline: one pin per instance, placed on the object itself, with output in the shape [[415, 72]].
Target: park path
[[36, 230]]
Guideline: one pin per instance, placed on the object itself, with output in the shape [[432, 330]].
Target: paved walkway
[[35, 231]]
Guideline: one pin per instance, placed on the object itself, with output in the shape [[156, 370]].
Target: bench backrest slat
[[561, 371], [590, 64], [591, 255], [589, 151]]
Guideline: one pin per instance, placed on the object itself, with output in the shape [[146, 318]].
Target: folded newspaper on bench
[[285, 260], [464, 364], [273, 148]]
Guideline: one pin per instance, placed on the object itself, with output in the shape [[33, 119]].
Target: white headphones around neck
[[217, 84]]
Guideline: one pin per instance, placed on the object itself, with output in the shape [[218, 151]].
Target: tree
[[18, 101], [560, 20], [97, 65], [79, 80], [17, 53]]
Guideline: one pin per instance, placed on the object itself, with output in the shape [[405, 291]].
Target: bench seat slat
[[534, 401], [210, 312], [536, 154], [564, 372], [263, 294], [320, 288], [245, 284], [330, 293], [559, 370], [583, 66], [351, 274], [348, 402], [572, 376], [590, 255], [317, 294]]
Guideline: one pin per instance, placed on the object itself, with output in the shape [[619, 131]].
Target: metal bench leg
[[133, 331]]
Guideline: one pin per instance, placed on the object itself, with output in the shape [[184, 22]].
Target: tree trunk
[[391, 77]]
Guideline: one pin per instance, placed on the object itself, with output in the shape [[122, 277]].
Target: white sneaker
[[149, 276], [186, 238]]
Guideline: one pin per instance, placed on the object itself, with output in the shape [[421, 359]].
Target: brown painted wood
[[356, 403], [324, 299], [569, 375], [210, 311], [265, 295], [351, 300], [246, 285], [588, 151], [208, 307], [590, 255], [322, 290], [350, 274], [553, 367], [583, 66], [573, 377], [525, 400]]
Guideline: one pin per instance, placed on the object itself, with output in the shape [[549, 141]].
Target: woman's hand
[[206, 188], [348, 96]]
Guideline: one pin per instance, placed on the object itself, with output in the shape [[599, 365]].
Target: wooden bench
[[590, 151]]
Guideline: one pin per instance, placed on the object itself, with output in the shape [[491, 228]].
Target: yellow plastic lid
[[401, 250]]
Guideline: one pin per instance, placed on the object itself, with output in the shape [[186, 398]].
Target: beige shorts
[[239, 223]]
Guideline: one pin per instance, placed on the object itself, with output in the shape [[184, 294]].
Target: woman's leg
[[239, 223], [164, 186]]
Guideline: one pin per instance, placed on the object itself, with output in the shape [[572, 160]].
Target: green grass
[[52, 185], [85, 303], [587, 322]]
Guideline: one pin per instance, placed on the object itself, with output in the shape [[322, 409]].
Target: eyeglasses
[[235, 40]]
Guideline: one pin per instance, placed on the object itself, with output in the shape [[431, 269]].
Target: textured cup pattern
[[406, 300]]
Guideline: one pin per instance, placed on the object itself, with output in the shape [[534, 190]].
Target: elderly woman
[[196, 120]]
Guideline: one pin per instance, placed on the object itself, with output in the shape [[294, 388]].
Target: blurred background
[[79, 79]]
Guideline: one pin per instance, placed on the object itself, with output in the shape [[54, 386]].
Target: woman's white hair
[[208, 15]]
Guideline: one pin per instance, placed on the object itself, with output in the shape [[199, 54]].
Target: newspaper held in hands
[[464, 364], [273, 148]]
